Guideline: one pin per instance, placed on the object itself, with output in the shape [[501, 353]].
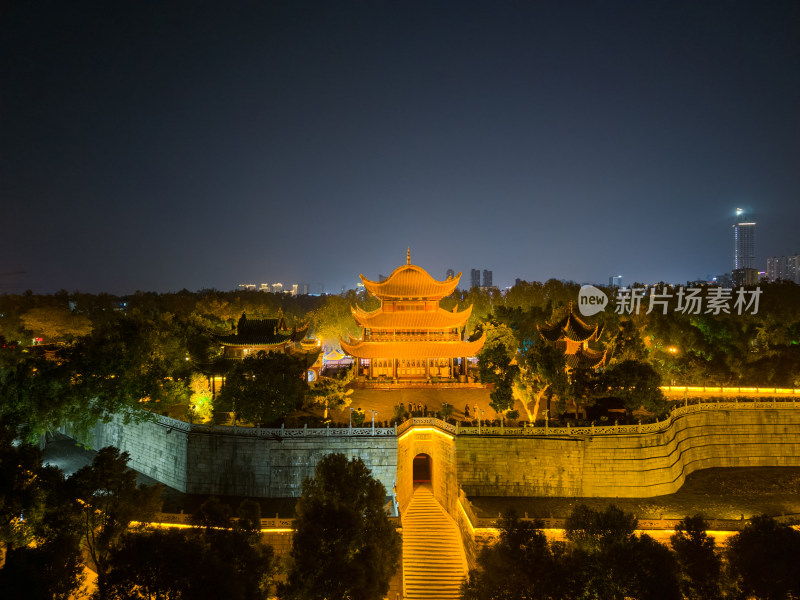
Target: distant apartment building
[[487, 278], [295, 289], [475, 278], [744, 277], [450, 274], [615, 281], [785, 268]]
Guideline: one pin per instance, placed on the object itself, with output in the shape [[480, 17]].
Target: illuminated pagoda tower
[[410, 336], [572, 336]]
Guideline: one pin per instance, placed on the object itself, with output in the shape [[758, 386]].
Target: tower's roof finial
[[408, 256]]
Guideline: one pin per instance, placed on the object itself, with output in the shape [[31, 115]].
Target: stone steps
[[433, 559]]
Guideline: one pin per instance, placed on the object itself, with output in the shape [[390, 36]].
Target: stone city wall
[[630, 464], [275, 467], [240, 461], [157, 449], [627, 461]]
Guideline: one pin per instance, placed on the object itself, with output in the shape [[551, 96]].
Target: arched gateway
[[421, 469]]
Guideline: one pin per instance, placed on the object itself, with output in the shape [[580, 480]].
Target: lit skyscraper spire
[[744, 241]]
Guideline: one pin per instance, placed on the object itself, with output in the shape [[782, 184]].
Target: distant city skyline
[[161, 147]]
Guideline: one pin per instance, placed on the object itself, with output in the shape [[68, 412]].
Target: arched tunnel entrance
[[422, 468]]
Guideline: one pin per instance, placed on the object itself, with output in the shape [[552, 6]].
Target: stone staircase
[[433, 559]]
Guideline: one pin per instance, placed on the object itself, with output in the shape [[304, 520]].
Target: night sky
[[168, 145]]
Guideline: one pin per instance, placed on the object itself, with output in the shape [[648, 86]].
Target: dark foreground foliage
[[603, 557], [344, 545]]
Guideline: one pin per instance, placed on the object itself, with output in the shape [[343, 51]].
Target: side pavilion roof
[[570, 327]]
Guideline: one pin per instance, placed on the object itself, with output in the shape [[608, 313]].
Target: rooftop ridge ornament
[[408, 256]]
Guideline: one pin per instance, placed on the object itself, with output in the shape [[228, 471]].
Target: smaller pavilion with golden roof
[[410, 336]]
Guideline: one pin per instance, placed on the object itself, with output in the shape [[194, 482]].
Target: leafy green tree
[[763, 560], [593, 530], [38, 526], [332, 319], [109, 500], [263, 388], [344, 545], [637, 383], [134, 358], [627, 344], [400, 413], [652, 573], [160, 564], [521, 564], [331, 392], [497, 365], [249, 516], [55, 323], [696, 553], [543, 371], [36, 392], [190, 565], [213, 513], [611, 562]]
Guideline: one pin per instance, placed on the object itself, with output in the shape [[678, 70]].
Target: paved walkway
[[384, 401], [433, 559]]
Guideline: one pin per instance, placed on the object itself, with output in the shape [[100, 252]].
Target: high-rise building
[[615, 281], [786, 268], [475, 278], [450, 274], [744, 241], [487, 278]]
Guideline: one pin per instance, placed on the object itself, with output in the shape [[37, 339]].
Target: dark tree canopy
[[344, 545], [190, 565], [763, 560], [263, 388], [496, 364], [522, 564], [109, 499], [699, 562], [39, 525]]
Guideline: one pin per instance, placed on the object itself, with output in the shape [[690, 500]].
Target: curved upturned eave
[[434, 320], [411, 281], [417, 349]]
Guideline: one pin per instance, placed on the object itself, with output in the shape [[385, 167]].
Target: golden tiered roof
[[439, 319], [414, 349], [411, 281], [420, 328]]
